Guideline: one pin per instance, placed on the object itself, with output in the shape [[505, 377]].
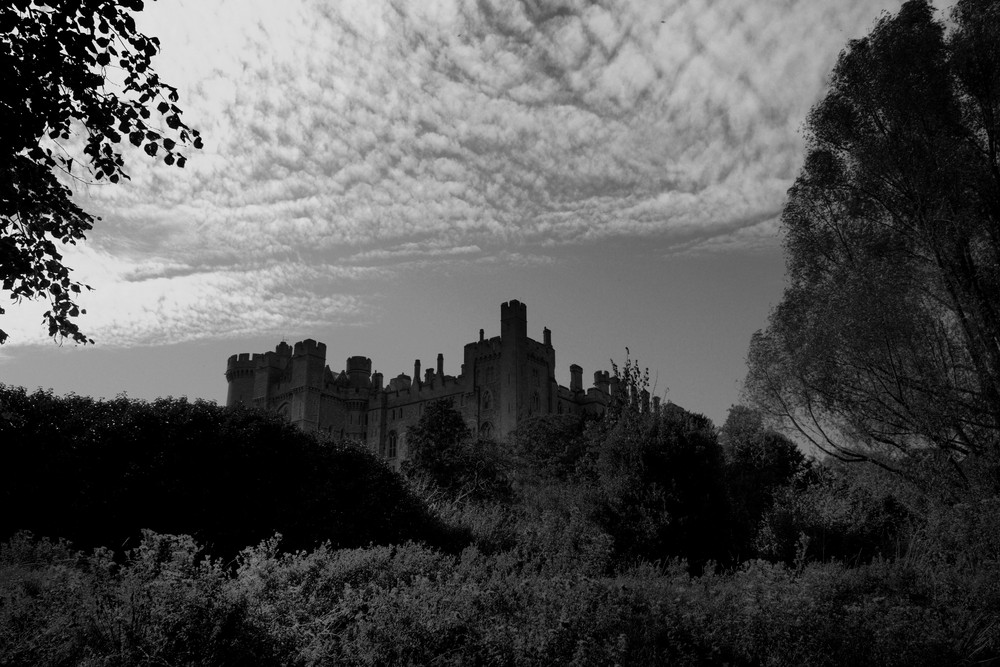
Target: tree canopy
[[72, 70], [442, 449], [887, 339]]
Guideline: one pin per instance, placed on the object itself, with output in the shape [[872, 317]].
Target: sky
[[381, 175]]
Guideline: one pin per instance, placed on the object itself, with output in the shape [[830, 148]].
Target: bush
[[759, 463], [442, 450], [166, 604], [828, 513], [550, 446], [98, 472], [662, 496], [409, 604]]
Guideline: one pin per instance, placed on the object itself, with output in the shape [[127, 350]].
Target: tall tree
[[71, 67], [887, 339]]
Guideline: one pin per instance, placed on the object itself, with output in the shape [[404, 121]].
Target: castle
[[503, 381]]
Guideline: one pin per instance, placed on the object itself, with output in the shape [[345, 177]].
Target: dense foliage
[[759, 464], [413, 605], [98, 472], [660, 478], [606, 563], [74, 72], [887, 340], [442, 451]]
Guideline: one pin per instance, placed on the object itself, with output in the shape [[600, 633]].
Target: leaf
[[103, 59], [150, 149], [163, 107]]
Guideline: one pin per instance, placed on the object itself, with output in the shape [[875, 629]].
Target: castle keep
[[503, 380]]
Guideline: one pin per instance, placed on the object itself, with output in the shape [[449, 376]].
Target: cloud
[[377, 136]]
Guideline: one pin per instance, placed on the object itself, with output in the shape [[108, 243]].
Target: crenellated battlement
[[310, 347], [240, 361]]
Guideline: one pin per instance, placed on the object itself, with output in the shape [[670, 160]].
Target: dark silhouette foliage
[[441, 449], [97, 472], [551, 445], [55, 59], [660, 476], [759, 463], [828, 513]]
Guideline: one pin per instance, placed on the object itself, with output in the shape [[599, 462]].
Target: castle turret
[[308, 363], [359, 372], [602, 380], [513, 399], [440, 365], [240, 369], [575, 378], [416, 371], [513, 320]]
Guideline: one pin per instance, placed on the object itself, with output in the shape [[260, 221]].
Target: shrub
[[442, 451], [165, 604], [758, 464], [97, 472], [827, 513], [660, 477], [550, 445]]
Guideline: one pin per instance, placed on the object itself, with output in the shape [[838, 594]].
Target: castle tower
[[359, 372], [240, 369], [308, 362], [513, 344]]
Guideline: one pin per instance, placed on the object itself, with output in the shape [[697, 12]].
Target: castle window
[[535, 402], [487, 400], [486, 430], [393, 445]]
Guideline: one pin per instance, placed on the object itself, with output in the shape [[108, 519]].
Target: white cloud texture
[[357, 139]]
